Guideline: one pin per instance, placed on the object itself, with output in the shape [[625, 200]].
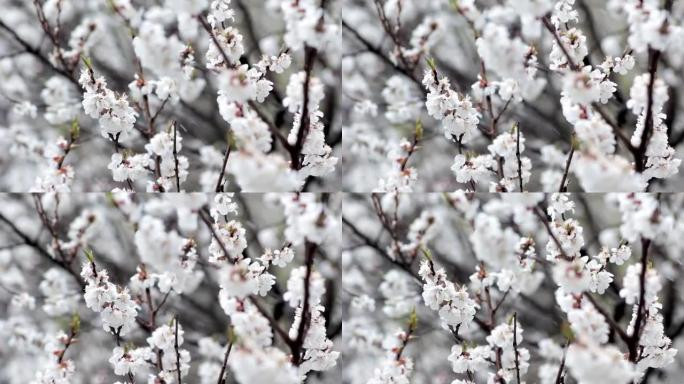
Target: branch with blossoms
[[396, 367], [513, 288], [172, 288], [586, 119], [173, 95]]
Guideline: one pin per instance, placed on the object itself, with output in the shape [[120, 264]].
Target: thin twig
[[378, 52], [515, 346], [156, 114], [636, 334], [175, 157], [554, 32], [140, 82], [175, 345], [219, 183], [542, 216], [73, 330], [222, 379], [517, 155], [42, 251], [274, 130], [576, 68], [502, 111], [274, 324], [210, 225], [150, 306], [563, 187], [559, 375], [503, 298], [407, 336], [623, 335], [36, 52], [379, 249], [161, 304], [298, 345], [50, 226], [213, 37], [52, 35], [73, 136]]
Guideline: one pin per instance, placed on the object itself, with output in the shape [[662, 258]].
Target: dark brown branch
[[175, 157], [36, 52], [413, 323], [249, 26], [274, 130], [501, 301], [596, 106], [50, 227], [298, 344], [219, 183], [551, 28], [379, 249], [161, 304], [566, 171], [653, 58], [161, 108], [641, 309], [203, 215], [502, 111], [615, 326], [175, 346], [515, 347], [274, 324], [150, 131], [214, 39], [616, 129], [377, 52], [71, 338], [150, 306], [52, 34], [542, 216], [271, 126], [305, 120], [222, 379], [559, 375], [517, 155], [42, 251], [393, 33]]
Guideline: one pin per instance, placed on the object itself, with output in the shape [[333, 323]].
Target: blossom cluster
[[341, 191], [507, 288], [547, 95], [249, 88], [174, 288]]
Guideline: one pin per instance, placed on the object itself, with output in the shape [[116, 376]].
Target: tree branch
[[298, 344]]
